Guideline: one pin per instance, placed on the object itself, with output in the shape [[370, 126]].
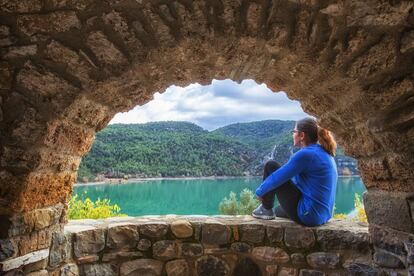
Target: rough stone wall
[[201, 245], [67, 66]]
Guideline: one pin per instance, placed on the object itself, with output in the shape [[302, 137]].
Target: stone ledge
[[24, 260]]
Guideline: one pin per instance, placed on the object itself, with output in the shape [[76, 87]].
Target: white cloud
[[215, 105]]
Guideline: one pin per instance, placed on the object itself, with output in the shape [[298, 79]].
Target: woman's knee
[[271, 165]]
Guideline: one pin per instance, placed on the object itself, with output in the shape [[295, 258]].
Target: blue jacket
[[314, 173]]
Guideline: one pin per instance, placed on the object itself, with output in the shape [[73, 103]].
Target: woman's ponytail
[[327, 141]]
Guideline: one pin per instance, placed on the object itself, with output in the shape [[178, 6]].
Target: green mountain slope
[[175, 149]]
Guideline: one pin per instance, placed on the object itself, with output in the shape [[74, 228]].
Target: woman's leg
[[287, 194]]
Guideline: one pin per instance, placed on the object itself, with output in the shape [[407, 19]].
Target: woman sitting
[[306, 185]]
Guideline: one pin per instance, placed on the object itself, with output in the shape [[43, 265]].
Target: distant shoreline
[[125, 181]]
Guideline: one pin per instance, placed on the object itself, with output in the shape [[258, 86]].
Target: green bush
[[231, 206], [85, 208]]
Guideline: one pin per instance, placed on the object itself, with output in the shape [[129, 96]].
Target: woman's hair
[[315, 134]]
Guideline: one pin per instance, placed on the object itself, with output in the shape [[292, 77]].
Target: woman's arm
[[297, 164]]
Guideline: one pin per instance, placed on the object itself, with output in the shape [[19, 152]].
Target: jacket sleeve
[[297, 164]]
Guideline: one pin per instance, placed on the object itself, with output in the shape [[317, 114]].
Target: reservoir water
[[194, 196]]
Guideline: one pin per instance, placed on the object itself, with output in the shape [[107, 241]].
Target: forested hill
[[175, 149]]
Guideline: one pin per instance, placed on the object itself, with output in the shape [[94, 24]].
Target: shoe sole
[[263, 217]]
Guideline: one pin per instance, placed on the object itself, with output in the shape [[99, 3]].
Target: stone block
[[340, 239], [215, 232], [323, 260], [6, 75], [7, 249], [243, 265], [241, 247], [271, 270], [116, 256], [61, 249], [299, 238], [88, 242], [274, 233], [24, 260], [165, 250], [288, 271], [122, 237], [87, 259], [48, 23], [23, 6], [270, 254], [69, 270], [4, 31], [144, 244], [210, 265], [252, 232], [191, 249], [20, 51], [310, 272], [182, 229], [35, 241], [177, 268], [381, 207], [154, 230], [409, 247], [387, 259], [298, 259], [42, 272], [104, 50], [361, 269], [141, 267], [99, 270], [389, 239]]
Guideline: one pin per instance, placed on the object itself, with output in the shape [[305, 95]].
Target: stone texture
[[88, 242], [105, 51], [24, 6], [116, 256], [241, 247], [323, 260], [252, 232], [246, 266], [274, 233], [61, 249], [191, 249], [165, 250], [144, 244], [210, 265], [386, 259], [87, 259], [141, 267], [177, 268], [337, 237], [7, 249], [362, 269], [288, 271], [24, 260], [182, 229], [69, 270], [98, 270], [20, 51], [310, 272], [215, 232], [298, 259], [48, 23], [154, 230], [381, 207], [42, 272], [270, 254], [122, 237], [299, 238]]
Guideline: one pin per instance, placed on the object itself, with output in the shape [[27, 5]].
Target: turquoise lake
[[194, 196]]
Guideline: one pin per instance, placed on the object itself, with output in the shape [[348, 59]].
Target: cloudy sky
[[218, 104]]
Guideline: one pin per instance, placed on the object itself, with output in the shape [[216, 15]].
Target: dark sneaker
[[262, 213]]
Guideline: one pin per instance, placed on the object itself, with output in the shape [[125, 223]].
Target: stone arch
[[68, 66]]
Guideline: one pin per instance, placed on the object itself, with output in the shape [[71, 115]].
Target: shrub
[[360, 214], [231, 206], [85, 208]]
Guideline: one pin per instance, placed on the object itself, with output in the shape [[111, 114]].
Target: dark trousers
[[287, 194]]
